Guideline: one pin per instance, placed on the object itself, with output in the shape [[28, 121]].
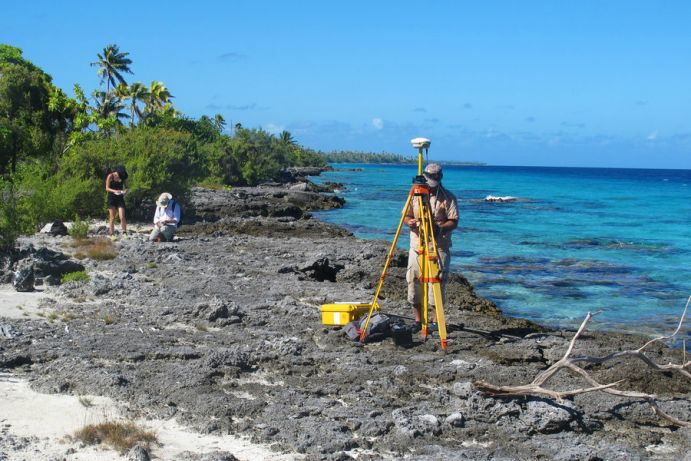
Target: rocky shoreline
[[221, 330]]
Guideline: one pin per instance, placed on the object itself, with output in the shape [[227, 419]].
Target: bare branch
[[681, 322], [532, 389], [570, 363]]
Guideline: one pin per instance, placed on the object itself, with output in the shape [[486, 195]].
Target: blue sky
[[556, 83]]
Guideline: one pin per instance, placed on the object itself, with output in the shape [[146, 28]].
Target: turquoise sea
[[576, 240]]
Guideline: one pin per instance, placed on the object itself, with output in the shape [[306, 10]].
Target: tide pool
[[576, 240]]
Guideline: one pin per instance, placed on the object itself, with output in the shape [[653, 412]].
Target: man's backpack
[[377, 329], [176, 204]]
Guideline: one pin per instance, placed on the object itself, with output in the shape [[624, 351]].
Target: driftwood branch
[[570, 363]]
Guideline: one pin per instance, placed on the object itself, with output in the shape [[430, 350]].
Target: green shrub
[[9, 230], [79, 228], [157, 160], [79, 276], [214, 184], [33, 186]]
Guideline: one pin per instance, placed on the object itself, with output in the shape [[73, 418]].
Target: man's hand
[[412, 223], [437, 229]]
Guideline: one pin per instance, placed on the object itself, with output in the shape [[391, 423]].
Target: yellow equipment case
[[339, 314]]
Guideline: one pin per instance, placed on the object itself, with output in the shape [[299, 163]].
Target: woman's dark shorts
[[116, 201]]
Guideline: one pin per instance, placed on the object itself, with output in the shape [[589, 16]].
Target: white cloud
[[273, 128], [652, 136], [377, 123]]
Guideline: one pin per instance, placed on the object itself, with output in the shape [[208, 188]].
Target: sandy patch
[[20, 305], [38, 427]]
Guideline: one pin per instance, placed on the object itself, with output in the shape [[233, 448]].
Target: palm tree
[[108, 106], [158, 99], [112, 64], [136, 93], [286, 138], [219, 122]]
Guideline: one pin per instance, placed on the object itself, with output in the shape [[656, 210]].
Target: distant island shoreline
[[384, 158]]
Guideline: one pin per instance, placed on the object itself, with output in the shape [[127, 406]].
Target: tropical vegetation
[[56, 150], [380, 158], [367, 157]]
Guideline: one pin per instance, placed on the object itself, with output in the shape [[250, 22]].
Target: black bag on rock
[[352, 330], [379, 327], [402, 335]]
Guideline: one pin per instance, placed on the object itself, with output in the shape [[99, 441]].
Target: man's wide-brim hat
[[163, 199], [433, 174]]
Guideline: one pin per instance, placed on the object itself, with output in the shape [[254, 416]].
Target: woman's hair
[[120, 170]]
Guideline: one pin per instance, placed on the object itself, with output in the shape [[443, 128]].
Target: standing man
[[444, 210]]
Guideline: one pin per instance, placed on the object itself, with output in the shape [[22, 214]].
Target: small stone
[[455, 419], [138, 453], [463, 390], [400, 370]]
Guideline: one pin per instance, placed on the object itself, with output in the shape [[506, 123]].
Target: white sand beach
[[39, 427]]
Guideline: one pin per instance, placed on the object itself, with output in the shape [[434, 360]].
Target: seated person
[[166, 219]]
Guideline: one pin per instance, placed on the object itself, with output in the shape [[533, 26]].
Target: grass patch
[[79, 276], [86, 402], [52, 316], [79, 229], [99, 249], [67, 316], [201, 327], [151, 265], [120, 435], [214, 184], [107, 319]]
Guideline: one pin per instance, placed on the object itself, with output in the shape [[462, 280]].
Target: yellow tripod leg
[[375, 304], [423, 264], [424, 314], [439, 307]]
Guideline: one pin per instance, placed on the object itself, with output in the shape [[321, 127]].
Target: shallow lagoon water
[[578, 240]]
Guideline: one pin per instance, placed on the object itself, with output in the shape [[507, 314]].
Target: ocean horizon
[[575, 239]]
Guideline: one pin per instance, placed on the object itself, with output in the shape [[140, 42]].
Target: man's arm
[[448, 225], [410, 217], [157, 216], [451, 222]]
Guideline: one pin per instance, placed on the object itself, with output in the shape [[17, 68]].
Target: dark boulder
[[301, 172], [53, 263], [57, 228], [23, 279], [322, 270]]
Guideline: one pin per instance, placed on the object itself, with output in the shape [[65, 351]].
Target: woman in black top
[[116, 186]]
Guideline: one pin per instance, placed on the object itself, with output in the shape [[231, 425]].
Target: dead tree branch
[[570, 363]]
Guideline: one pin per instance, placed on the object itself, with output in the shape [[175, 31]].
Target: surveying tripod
[[428, 256]]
